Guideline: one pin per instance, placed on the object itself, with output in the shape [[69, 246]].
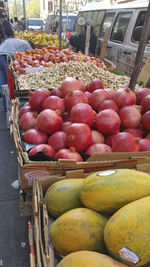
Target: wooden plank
[[144, 76], [87, 41], [140, 52], [105, 42]]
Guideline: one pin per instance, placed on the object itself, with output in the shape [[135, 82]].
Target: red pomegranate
[[124, 97], [97, 137], [108, 140], [82, 113], [142, 129], [79, 136], [66, 116], [66, 125], [140, 94], [108, 122], [147, 136], [145, 104], [109, 104], [68, 154], [88, 94], [75, 97], [130, 117], [28, 120], [145, 144], [57, 140], [135, 132], [69, 84], [98, 148], [125, 142], [35, 136], [37, 97], [55, 103], [49, 121], [95, 84], [56, 92], [48, 150], [146, 120], [24, 109], [97, 98], [111, 93]]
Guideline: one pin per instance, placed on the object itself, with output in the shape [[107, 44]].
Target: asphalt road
[[14, 246]]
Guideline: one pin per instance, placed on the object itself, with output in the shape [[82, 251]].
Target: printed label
[[106, 173], [129, 255], [31, 175]]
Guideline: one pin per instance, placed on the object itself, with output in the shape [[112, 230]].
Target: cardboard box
[[28, 169], [46, 256]]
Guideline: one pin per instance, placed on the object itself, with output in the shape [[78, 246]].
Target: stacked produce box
[[93, 218]]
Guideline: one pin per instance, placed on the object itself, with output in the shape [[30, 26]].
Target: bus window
[[107, 22], [98, 23], [89, 15], [77, 27], [95, 13], [138, 28], [120, 26]]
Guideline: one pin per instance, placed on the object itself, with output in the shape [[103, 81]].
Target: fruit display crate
[[29, 169], [45, 254]]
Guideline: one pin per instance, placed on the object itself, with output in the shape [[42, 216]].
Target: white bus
[[126, 21]]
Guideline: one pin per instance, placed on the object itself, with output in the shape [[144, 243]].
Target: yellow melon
[[127, 233], [63, 196], [78, 229], [89, 259], [107, 191]]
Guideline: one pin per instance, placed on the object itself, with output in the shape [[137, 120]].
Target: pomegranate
[[145, 144], [111, 93], [55, 103], [145, 104], [97, 137], [48, 150], [95, 84], [57, 140], [138, 107], [109, 104], [108, 122], [135, 132], [69, 84], [66, 125], [79, 136], [37, 97], [24, 109], [68, 154], [125, 142], [140, 94], [108, 140], [146, 120], [56, 92], [124, 97], [147, 136], [97, 98], [82, 113], [75, 97], [98, 148], [49, 121], [82, 84], [35, 136], [66, 116], [88, 94], [130, 117], [28, 120], [142, 129]]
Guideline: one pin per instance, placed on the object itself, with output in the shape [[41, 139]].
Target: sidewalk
[[14, 248]]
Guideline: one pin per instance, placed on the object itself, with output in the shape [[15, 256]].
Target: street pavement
[[14, 246]]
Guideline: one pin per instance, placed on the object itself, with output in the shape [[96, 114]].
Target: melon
[[127, 233], [89, 259], [107, 191], [63, 196], [78, 229]]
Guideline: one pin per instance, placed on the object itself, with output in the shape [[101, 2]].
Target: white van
[[35, 24], [126, 21]]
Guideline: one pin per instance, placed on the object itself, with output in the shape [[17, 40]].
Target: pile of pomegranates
[[87, 118]]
